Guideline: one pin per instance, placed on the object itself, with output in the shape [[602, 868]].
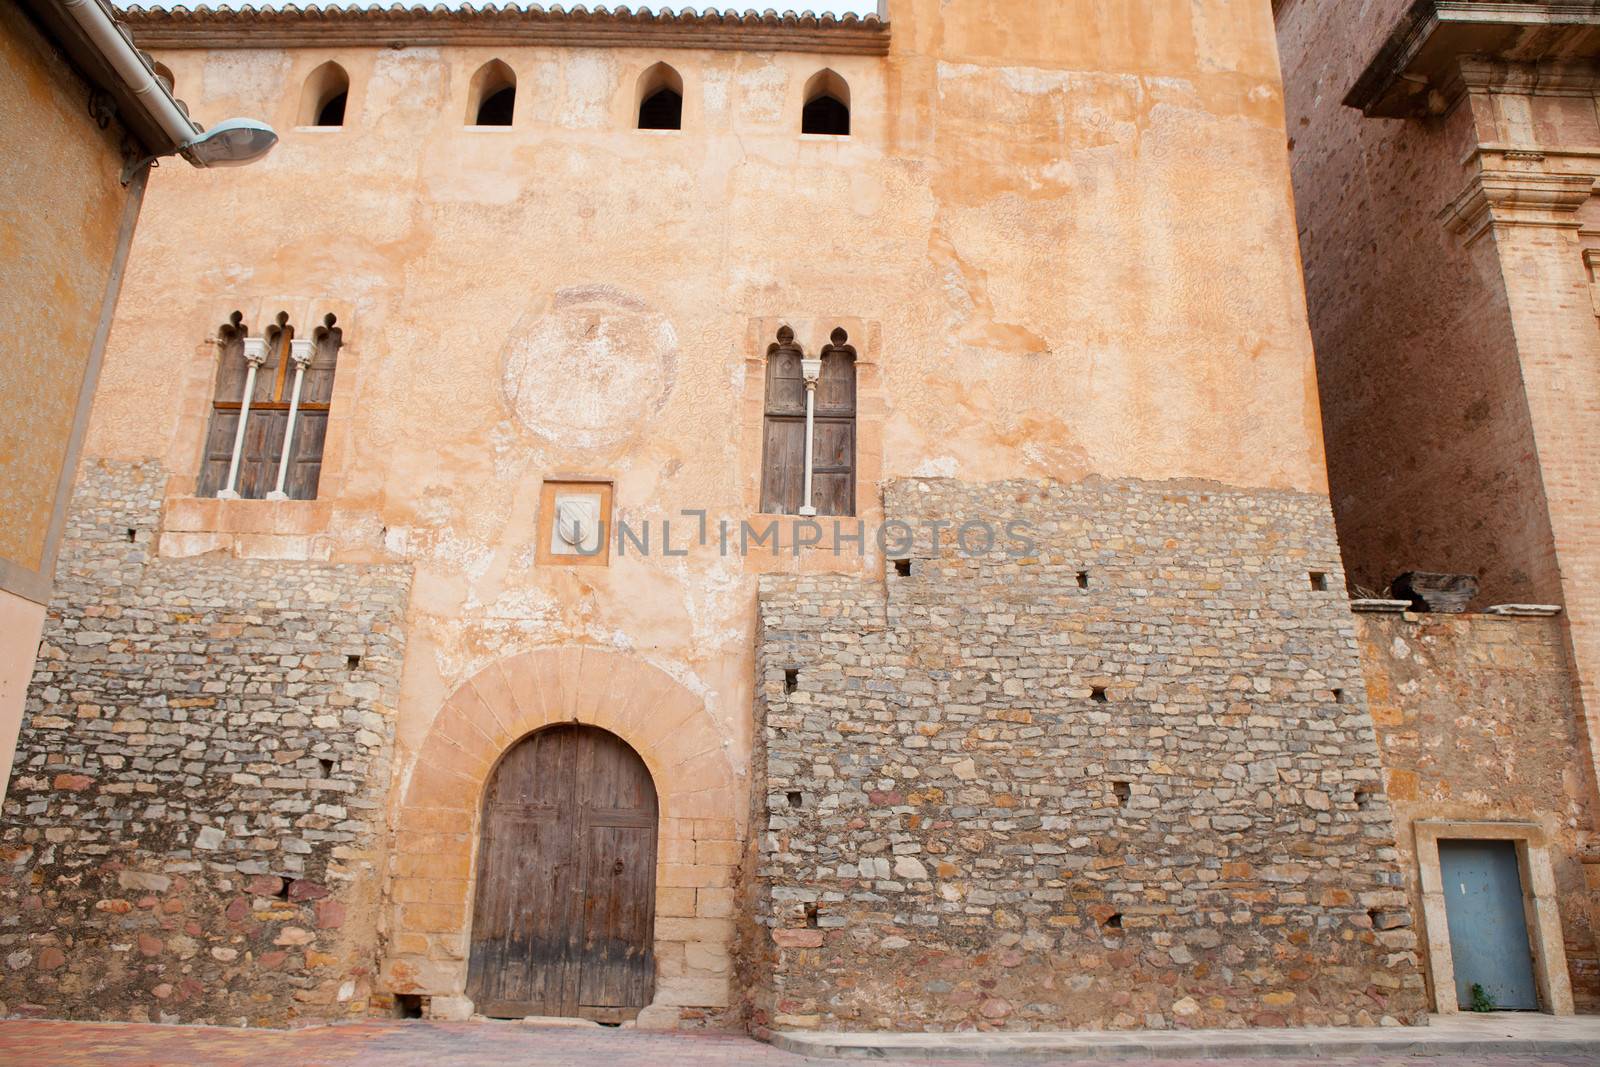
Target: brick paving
[[30, 1043]]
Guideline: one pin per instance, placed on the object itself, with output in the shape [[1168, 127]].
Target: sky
[[821, 7]]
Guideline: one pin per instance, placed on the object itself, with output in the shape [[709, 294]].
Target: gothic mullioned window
[[815, 399], [272, 391]]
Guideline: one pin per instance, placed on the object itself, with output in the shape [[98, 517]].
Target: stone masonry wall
[[193, 823], [1127, 780], [1477, 722]]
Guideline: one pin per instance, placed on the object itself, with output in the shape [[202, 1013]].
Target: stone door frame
[[702, 802], [1538, 903]]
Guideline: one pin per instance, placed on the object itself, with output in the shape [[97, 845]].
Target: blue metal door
[[1488, 929]]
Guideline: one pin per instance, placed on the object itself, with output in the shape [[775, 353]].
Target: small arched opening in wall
[[323, 100], [492, 96], [827, 108], [660, 98]]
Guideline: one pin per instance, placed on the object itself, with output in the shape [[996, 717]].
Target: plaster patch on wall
[[937, 467], [762, 92], [523, 605], [245, 75], [393, 68], [714, 93], [591, 79], [712, 599], [471, 557], [591, 371]]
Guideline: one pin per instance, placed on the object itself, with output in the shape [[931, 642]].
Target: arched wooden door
[[564, 920]]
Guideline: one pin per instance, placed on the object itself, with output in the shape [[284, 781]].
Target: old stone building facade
[[716, 520], [1443, 154]]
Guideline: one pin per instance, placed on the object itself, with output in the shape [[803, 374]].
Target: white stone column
[[300, 352], [811, 369], [255, 353]]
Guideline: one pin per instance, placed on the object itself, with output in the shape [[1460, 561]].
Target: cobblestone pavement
[[27, 1043]]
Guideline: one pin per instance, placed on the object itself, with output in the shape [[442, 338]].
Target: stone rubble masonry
[[193, 828], [957, 832], [1477, 721]]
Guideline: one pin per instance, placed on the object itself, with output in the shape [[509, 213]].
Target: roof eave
[[339, 27], [1418, 58]]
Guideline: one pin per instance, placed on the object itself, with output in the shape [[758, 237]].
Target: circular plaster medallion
[[589, 372]]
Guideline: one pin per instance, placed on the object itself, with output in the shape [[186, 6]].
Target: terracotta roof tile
[[250, 26]]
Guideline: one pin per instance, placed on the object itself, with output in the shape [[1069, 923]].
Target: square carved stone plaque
[[575, 523]]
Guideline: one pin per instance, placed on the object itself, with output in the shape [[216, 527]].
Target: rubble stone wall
[[193, 828], [1127, 779]]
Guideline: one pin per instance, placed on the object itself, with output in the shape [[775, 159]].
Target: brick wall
[[954, 830], [1476, 721], [1431, 458], [192, 828]]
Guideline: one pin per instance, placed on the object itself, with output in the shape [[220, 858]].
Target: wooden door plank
[[564, 914]]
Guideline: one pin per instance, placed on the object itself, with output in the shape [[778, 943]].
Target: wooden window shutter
[[783, 446], [833, 446], [225, 398]]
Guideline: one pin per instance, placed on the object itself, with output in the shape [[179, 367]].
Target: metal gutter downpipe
[[103, 32]]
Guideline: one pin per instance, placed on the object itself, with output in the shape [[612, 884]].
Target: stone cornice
[[1412, 71], [1517, 198], [336, 26]]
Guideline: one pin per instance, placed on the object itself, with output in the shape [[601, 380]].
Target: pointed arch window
[[322, 101], [269, 411], [492, 97], [809, 401], [660, 96], [827, 108]]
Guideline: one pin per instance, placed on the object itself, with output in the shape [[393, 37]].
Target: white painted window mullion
[[300, 352], [811, 369], [255, 354]]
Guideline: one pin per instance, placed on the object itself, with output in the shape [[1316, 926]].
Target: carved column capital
[[1517, 198], [811, 370], [301, 351], [255, 350]]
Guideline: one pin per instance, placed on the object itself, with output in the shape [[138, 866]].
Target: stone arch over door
[[433, 858]]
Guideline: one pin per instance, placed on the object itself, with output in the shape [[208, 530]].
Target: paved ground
[[1463, 1035], [421, 1044]]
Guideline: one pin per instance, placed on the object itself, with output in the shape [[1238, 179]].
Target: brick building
[[1444, 159], [719, 520]]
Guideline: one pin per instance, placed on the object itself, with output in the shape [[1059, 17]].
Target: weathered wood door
[[564, 920]]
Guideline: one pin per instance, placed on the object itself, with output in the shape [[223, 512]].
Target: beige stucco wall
[[65, 223], [20, 624], [61, 208], [1060, 237]]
